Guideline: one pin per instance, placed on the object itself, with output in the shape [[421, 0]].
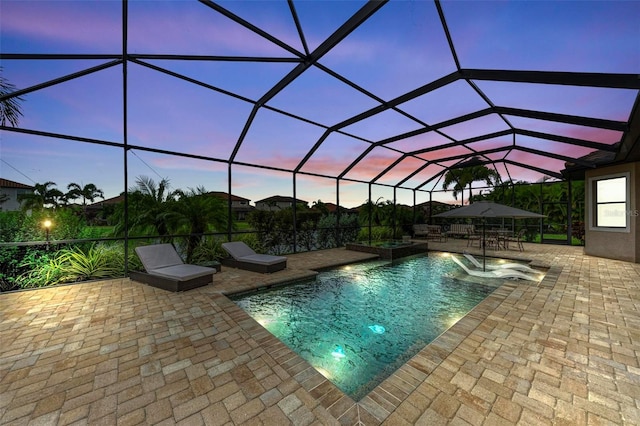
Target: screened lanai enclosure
[[326, 120]]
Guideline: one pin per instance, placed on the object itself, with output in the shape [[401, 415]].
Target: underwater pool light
[[263, 321], [325, 373], [377, 329], [338, 352]]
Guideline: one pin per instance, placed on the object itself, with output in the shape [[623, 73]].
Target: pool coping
[[385, 398]]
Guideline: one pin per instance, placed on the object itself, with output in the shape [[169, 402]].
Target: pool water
[[358, 324]]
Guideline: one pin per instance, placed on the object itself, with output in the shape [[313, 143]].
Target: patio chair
[[496, 273], [518, 239], [243, 257], [166, 270], [473, 238]]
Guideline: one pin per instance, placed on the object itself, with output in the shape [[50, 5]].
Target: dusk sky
[[400, 48]]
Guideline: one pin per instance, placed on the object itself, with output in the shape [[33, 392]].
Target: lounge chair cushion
[[165, 269], [238, 249], [158, 256], [243, 257], [183, 272], [263, 259]]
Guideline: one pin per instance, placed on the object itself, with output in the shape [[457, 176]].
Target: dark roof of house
[[432, 203], [225, 196], [575, 170], [6, 183], [281, 199], [112, 200]]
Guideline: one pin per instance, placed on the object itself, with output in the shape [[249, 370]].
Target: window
[[610, 195]]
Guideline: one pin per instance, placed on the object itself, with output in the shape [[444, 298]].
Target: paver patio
[[119, 352]]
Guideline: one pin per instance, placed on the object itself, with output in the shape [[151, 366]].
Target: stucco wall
[[615, 245]]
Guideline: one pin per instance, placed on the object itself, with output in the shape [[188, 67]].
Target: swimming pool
[[356, 325]]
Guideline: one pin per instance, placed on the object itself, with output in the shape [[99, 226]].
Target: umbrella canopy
[[485, 209], [489, 209]]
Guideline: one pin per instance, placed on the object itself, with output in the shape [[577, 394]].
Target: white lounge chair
[[496, 273], [243, 257], [511, 265], [165, 269]]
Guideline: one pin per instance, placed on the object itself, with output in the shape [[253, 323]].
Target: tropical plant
[[329, 235], [42, 269], [43, 194], [88, 192], [372, 212], [99, 262], [460, 179], [208, 250], [10, 109], [150, 208], [307, 227], [196, 212], [378, 233], [320, 206], [265, 224], [18, 226]]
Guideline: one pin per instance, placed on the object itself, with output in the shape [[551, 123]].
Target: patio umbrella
[[485, 209]]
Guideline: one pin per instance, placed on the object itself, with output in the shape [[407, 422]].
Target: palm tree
[[464, 177], [150, 207], [43, 194], [372, 212], [320, 206], [197, 212], [10, 110], [89, 192]]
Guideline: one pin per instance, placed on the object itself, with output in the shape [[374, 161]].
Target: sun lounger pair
[[243, 257], [166, 270], [502, 273]]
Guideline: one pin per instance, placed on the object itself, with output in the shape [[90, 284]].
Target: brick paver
[[565, 351]]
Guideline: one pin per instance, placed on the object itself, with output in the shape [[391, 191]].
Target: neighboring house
[[99, 205], [239, 206], [98, 211], [9, 191], [278, 202]]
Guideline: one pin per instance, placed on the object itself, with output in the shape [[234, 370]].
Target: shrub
[[208, 250], [99, 262], [378, 233], [43, 270]]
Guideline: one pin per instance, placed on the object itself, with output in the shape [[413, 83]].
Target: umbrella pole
[[484, 245]]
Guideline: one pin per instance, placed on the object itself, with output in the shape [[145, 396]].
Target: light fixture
[[338, 352], [47, 227], [377, 329]]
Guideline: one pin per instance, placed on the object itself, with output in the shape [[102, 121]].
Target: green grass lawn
[[559, 237]]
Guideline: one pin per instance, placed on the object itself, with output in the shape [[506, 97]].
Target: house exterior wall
[[273, 206], [12, 203], [618, 244]]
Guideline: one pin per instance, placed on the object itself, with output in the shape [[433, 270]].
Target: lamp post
[[47, 226]]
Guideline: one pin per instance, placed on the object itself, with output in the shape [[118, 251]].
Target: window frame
[[593, 203]]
